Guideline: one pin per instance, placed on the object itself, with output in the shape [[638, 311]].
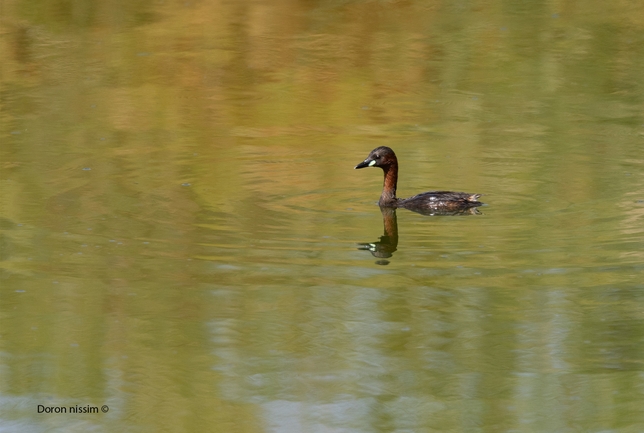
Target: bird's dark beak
[[366, 163]]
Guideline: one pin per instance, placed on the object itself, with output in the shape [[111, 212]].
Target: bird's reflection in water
[[388, 243]]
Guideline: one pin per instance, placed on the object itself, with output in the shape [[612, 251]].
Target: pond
[[186, 246]]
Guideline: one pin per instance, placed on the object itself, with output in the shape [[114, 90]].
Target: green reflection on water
[[181, 220]]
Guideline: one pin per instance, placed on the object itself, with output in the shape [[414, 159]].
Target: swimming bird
[[427, 202]]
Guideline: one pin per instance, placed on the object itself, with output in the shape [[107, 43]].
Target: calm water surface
[[185, 242]]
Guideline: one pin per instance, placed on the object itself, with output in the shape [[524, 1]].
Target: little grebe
[[385, 158]]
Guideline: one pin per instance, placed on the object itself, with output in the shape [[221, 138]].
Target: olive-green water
[[186, 247]]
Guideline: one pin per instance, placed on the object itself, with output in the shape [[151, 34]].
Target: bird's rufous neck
[[388, 197]]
